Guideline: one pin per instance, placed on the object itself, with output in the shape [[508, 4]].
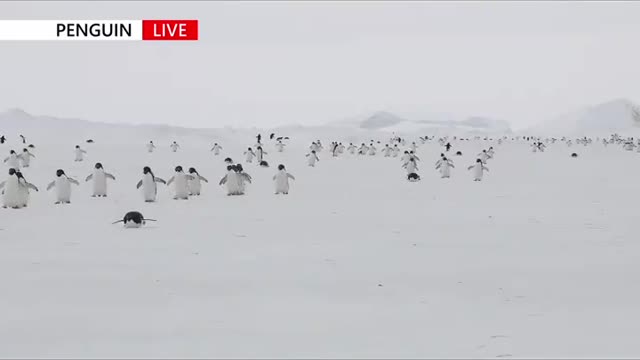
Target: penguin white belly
[[249, 157], [99, 183], [79, 156], [282, 183], [216, 151], [232, 183], [149, 188], [63, 189], [411, 167], [26, 160], [195, 185], [312, 161], [180, 186], [445, 170], [11, 196], [477, 172], [149, 148]]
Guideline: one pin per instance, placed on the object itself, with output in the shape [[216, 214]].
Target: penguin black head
[[146, 170], [313, 151], [574, 155], [444, 158], [478, 160], [98, 166], [249, 149], [264, 163], [59, 172], [228, 160], [259, 148], [12, 152], [24, 150], [178, 168], [239, 168], [192, 171], [229, 167], [12, 171], [459, 153], [133, 219], [31, 146], [406, 152], [411, 152], [77, 146], [280, 167]]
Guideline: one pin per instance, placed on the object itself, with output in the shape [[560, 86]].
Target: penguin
[[281, 179], [574, 155], [11, 193], [99, 177], [230, 180], [62, 183], [372, 150], [271, 136], [174, 146], [478, 170], [312, 158], [23, 190], [396, 150], [242, 178], [411, 166], [89, 141], [25, 157], [79, 153], [351, 149], [228, 160], [216, 149], [413, 156], [264, 163], [445, 168], [133, 219], [195, 184], [260, 154], [148, 183], [448, 147], [483, 156], [363, 149], [280, 146], [413, 177], [387, 151], [249, 155], [151, 146], [13, 160], [458, 153], [181, 186]]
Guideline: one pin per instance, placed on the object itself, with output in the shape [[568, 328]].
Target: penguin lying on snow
[[228, 160], [413, 177], [263, 163], [133, 219], [574, 155], [458, 153]]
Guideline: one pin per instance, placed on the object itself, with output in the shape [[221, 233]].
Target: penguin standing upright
[[150, 146], [372, 150], [25, 157], [62, 183], [445, 168], [249, 155], [148, 183], [478, 170], [242, 178], [99, 177], [79, 153], [411, 166], [281, 179], [312, 158], [216, 149], [23, 190], [11, 192], [195, 184], [260, 154], [352, 148], [280, 146], [230, 180], [13, 160], [181, 186], [174, 146]]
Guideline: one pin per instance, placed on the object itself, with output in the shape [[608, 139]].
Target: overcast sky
[[269, 63]]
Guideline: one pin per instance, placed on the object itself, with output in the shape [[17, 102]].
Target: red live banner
[[174, 30]]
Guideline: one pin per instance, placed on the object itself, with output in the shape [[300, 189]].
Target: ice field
[[540, 259]]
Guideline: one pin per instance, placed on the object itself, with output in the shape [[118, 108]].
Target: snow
[[537, 260]]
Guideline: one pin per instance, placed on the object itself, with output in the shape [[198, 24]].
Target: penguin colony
[[16, 189]]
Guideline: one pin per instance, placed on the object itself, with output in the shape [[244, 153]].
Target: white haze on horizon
[[265, 64]]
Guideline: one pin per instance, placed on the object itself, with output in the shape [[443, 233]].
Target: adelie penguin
[[99, 177], [133, 219], [478, 170], [264, 163], [195, 184], [25, 157], [260, 154], [181, 184], [413, 177], [150, 147], [249, 155], [148, 184], [312, 158], [228, 160], [79, 153], [574, 155], [15, 192], [13, 160], [174, 146], [62, 183], [216, 149], [281, 179], [445, 166]]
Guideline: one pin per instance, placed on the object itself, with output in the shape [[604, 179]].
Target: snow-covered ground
[[538, 260]]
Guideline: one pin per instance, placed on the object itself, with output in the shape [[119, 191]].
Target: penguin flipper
[[291, 176], [119, 221], [203, 179], [31, 186], [51, 185], [73, 181], [223, 180], [160, 180], [110, 176], [139, 184], [88, 178], [170, 180], [2, 184]]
